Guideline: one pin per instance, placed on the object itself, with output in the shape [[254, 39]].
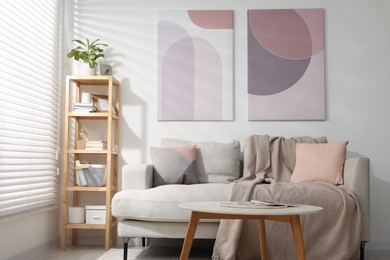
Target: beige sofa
[[152, 212]]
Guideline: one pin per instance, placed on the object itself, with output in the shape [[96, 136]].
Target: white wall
[[357, 85], [21, 236]]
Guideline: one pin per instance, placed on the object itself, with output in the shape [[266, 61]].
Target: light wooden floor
[[94, 252], [72, 253]]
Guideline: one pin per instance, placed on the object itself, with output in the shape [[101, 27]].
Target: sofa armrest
[[357, 178], [137, 176]]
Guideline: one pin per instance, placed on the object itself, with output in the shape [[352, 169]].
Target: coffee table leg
[[298, 240], [263, 245], [191, 229]]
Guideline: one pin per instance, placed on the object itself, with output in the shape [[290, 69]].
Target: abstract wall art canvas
[[286, 78], [195, 65]]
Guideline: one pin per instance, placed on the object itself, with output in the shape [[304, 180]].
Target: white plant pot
[[85, 70]]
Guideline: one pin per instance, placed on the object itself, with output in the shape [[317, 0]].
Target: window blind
[[29, 104]]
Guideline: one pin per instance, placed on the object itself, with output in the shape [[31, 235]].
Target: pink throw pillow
[[319, 162]]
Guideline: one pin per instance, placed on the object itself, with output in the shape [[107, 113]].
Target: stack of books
[[96, 145], [84, 107]]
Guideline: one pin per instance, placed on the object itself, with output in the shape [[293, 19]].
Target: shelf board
[[93, 80], [80, 188], [92, 151], [89, 226], [97, 115]]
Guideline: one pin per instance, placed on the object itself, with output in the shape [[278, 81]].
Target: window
[[29, 104]]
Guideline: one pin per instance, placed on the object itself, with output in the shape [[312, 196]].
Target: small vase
[[85, 70]]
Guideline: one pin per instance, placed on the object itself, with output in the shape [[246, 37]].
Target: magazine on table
[[255, 204]]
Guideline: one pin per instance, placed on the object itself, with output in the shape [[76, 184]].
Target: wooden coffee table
[[212, 210]]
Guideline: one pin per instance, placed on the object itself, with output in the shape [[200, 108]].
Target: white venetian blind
[[29, 103]]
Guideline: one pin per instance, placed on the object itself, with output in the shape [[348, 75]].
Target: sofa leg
[[125, 246], [144, 242], [362, 250]]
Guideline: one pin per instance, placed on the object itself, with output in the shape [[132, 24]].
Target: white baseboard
[[378, 245]]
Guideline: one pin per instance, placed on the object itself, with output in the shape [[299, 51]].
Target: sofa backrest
[[215, 162]]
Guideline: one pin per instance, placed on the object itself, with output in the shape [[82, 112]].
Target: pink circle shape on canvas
[[282, 32], [314, 19], [212, 19]]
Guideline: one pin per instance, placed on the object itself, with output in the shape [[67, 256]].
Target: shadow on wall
[[123, 29], [129, 139]]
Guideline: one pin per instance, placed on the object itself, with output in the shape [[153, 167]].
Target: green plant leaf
[[95, 41], [91, 64], [87, 51], [79, 41], [71, 53]]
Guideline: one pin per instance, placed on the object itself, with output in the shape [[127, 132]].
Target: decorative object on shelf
[[100, 103], [195, 63], [83, 138], [83, 135], [76, 215], [86, 98], [88, 52], [286, 71], [96, 214], [84, 69], [103, 69]]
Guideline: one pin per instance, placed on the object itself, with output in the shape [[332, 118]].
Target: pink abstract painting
[[195, 65], [286, 78]]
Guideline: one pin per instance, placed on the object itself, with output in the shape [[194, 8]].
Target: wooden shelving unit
[[71, 132]]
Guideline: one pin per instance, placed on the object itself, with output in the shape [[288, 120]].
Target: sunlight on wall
[[356, 91]]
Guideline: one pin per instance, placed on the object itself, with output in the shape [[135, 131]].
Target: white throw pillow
[[215, 162]]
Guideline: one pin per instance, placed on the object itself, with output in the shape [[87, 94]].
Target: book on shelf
[[96, 145], [84, 107], [90, 174], [80, 177]]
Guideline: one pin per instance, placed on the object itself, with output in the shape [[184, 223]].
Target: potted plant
[[88, 52]]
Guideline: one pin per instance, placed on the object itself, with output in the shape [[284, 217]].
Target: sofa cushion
[[173, 165], [215, 162], [319, 162], [161, 203]]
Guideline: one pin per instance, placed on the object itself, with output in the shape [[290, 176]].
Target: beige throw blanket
[[334, 233]]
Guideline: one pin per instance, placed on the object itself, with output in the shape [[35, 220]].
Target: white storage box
[[90, 174], [95, 214]]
